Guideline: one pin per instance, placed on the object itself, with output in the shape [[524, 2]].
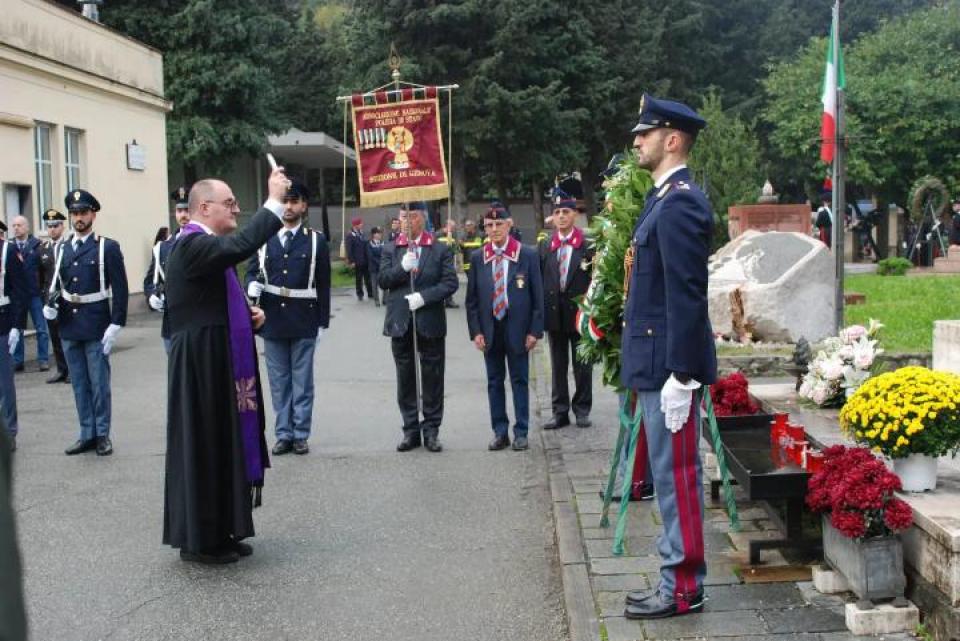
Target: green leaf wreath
[[600, 319]]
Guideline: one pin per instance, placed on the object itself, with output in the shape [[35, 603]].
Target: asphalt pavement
[[354, 541]]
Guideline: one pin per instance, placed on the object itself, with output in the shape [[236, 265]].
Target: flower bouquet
[[842, 365], [731, 396], [856, 489], [913, 410]]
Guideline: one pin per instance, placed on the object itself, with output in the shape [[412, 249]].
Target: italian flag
[[833, 79]]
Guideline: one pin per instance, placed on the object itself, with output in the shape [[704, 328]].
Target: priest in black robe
[[216, 451]]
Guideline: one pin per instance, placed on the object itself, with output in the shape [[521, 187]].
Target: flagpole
[[839, 174]]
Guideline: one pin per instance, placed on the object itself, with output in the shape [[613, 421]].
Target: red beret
[[356, 221]]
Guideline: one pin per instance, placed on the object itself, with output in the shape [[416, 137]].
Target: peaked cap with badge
[[181, 197], [656, 113], [563, 200], [497, 211], [53, 216], [81, 200], [297, 190]]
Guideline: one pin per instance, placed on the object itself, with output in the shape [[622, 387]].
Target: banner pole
[[343, 188]]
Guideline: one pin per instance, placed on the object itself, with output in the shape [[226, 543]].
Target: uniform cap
[[180, 196], [497, 211], [298, 190], [80, 200], [53, 216], [356, 221], [656, 113], [563, 200]]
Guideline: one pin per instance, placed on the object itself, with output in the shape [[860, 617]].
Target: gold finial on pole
[[394, 63]]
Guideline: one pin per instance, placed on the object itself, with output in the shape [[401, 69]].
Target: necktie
[[499, 286], [563, 256], [287, 237]]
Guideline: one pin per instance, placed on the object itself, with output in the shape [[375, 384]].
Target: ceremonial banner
[[399, 148]]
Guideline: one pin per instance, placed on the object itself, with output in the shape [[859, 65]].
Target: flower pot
[[917, 472], [872, 567]]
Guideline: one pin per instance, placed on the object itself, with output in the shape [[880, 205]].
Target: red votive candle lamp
[[814, 461]]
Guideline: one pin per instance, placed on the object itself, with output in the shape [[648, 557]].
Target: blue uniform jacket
[[31, 265], [80, 274], [357, 248], [294, 317], [374, 255], [666, 322], [14, 286], [524, 297], [166, 246]]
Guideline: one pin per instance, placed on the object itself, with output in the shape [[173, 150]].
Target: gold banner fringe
[[405, 195]]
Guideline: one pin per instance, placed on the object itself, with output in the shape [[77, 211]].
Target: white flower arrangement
[[842, 365]]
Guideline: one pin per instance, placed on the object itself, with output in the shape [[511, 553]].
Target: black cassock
[[206, 496]]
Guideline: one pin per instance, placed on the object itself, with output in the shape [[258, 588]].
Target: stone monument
[[772, 287], [767, 215]]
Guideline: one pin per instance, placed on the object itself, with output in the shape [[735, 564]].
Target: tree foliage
[[903, 104], [726, 158]]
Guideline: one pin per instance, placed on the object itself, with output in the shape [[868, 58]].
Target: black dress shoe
[[299, 447], [59, 377], [239, 547], [520, 443], [584, 421], [654, 607], [213, 557], [636, 597], [104, 446], [556, 423], [18, 367], [646, 492], [80, 447], [410, 442], [499, 443], [283, 446], [432, 444]]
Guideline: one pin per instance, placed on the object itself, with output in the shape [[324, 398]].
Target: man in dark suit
[[418, 274], [216, 450], [566, 262], [30, 249], [91, 308], [290, 277], [154, 281], [505, 321], [668, 349], [357, 258], [54, 220], [13, 298]]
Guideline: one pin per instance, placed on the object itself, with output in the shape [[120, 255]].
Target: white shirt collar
[[202, 226], [283, 232], [662, 179], [77, 238]]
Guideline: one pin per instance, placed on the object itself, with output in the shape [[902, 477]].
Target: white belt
[[290, 293], [82, 299], [4, 300]]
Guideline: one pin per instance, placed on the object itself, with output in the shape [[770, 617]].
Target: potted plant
[[842, 365], [854, 491], [732, 404], [912, 416]]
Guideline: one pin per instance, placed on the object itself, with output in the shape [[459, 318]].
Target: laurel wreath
[[928, 191], [600, 315]]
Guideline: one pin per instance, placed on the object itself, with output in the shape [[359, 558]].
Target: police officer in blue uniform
[[668, 350], [290, 276], [505, 320], [89, 300], [30, 249], [54, 221], [13, 298], [154, 281]]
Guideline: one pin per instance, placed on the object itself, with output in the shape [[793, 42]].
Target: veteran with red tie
[[566, 263], [505, 320]]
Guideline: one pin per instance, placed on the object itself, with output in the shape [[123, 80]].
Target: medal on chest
[[521, 282]]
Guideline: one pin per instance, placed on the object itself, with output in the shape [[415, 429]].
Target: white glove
[[676, 402], [409, 261], [415, 301], [320, 331], [156, 303], [110, 337], [254, 289], [13, 339], [50, 313]]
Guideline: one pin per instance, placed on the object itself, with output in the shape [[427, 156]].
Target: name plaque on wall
[[136, 157]]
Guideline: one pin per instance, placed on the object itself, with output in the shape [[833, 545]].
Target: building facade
[[82, 105]]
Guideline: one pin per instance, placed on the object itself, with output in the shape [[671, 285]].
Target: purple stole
[[244, 370]]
